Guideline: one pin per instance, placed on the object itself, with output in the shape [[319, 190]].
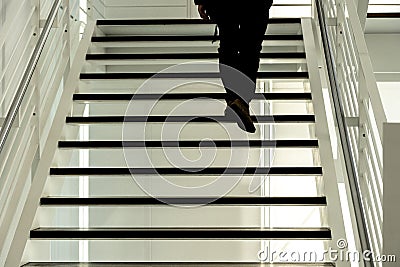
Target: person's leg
[[227, 18], [228, 54], [253, 26]]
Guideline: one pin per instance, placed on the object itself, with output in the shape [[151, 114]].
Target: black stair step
[[183, 38], [175, 264], [139, 201], [182, 233], [212, 75], [186, 96], [292, 55], [132, 22], [383, 15], [192, 119], [189, 143], [307, 171]]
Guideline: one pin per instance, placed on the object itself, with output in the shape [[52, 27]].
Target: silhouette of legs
[[241, 30]]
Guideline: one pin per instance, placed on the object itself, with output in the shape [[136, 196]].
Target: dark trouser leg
[[253, 25], [242, 32], [228, 54]]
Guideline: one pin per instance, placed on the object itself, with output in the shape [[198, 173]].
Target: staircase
[[122, 139]]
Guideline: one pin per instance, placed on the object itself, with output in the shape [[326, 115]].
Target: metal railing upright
[[37, 63], [359, 116], [28, 74]]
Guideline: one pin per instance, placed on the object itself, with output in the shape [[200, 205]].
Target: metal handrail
[[26, 78], [344, 136]]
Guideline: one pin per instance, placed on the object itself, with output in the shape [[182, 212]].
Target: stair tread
[[195, 232], [239, 201], [211, 75], [132, 22], [186, 96], [189, 171], [182, 233], [306, 118], [134, 38], [127, 56], [189, 143]]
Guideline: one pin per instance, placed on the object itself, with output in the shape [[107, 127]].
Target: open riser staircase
[[126, 134]]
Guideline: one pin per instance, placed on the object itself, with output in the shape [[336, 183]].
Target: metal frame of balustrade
[[32, 81], [359, 116]]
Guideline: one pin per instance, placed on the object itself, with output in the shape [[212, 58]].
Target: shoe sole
[[244, 122]]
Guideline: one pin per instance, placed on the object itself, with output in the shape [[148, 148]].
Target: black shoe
[[239, 111]]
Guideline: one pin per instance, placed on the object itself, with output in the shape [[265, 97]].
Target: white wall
[[384, 51], [391, 183], [139, 9], [385, 57], [157, 9]]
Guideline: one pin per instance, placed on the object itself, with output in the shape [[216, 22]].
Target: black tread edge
[[237, 201], [183, 96], [383, 15], [214, 75], [193, 119], [166, 56], [180, 233], [313, 143], [317, 171], [163, 38], [133, 22]]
